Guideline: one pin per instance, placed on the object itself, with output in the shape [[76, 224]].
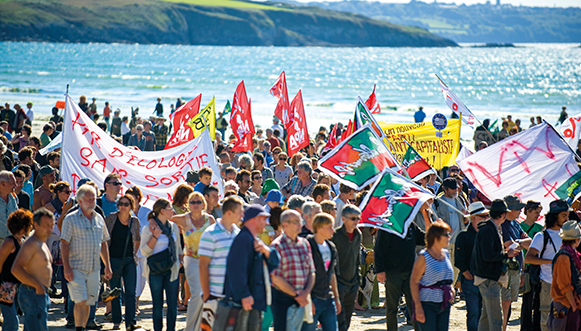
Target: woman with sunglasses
[[256, 187], [62, 193], [159, 235], [431, 280], [124, 231], [282, 172], [193, 225]]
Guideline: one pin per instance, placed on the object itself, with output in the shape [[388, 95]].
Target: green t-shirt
[[530, 231], [44, 140]]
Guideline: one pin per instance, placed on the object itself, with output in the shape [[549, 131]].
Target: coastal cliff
[[172, 22]]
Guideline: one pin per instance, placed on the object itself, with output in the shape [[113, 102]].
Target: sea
[[524, 81]]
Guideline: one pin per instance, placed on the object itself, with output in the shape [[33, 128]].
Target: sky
[[532, 3]]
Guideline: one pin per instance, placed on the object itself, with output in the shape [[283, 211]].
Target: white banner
[[89, 152], [571, 131], [54, 144], [531, 164]]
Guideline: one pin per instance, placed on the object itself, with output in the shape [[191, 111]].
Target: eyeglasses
[[282, 158], [123, 204], [196, 202], [355, 218], [276, 153], [115, 183]]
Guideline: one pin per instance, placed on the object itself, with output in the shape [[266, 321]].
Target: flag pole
[[563, 139], [476, 118], [453, 208], [395, 156]]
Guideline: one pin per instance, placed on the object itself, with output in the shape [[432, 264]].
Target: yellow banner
[[439, 152], [197, 122]]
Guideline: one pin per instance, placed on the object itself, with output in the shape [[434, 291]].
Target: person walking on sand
[[158, 108], [33, 268]]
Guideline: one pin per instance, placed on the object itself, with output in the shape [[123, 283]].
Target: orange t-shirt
[[562, 281]]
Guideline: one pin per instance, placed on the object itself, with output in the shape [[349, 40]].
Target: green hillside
[[200, 22]]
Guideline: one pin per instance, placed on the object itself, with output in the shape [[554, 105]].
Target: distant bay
[[529, 80]]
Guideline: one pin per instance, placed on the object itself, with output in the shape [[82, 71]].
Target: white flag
[[457, 106], [571, 131], [87, 151], [531, 165]]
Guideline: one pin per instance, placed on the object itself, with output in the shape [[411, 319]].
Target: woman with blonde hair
[[193, 225], [159, 244]]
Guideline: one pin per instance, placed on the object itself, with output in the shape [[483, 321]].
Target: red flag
[[332, 142], [298, 136], [279, 91], [182, 132], [241, 120], [348, 131], [372, 103]]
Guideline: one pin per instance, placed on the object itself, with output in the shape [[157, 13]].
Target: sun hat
[[570, 231], [269, 184], [275, 196], [513, 202], [477, 208], [253, 211]]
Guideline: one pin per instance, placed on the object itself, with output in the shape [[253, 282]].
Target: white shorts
[[85, 287]]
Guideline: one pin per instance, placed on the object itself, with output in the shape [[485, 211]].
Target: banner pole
[[453, 208], [563, 139]]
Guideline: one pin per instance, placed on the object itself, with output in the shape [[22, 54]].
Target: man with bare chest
[[43, 195], [33, 268]]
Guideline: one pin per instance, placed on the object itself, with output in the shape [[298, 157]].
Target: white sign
[[531, 164], [88, 151]]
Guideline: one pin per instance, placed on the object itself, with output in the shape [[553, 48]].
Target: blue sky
[[532, 3]]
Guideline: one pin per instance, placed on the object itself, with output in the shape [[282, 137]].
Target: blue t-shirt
[[200, 187], [511, 230], [419, 116], [108, 206]]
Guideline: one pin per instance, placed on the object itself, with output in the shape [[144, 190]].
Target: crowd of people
[[280, 249]]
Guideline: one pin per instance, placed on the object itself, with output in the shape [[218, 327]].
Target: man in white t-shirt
[[557, 215], [346, 194]]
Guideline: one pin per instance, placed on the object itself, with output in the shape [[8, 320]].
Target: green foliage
[[476, 23], [228, 3]]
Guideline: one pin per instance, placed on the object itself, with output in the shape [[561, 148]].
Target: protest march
[[230, 225]]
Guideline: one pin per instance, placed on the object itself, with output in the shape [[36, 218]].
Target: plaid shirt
[[295, 186], [294, 267], [85, 237]]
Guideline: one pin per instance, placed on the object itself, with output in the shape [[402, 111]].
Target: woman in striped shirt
[[431, 280]]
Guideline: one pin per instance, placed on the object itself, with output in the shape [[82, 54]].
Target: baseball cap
[[253, 211], [558, 206], [45, 170], [83, 181], [275, 196]]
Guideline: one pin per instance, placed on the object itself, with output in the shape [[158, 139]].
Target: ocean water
[[529, 80]]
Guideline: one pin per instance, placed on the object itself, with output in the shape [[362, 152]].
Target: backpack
[[534, 270]]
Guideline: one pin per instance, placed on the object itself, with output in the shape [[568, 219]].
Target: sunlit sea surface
[[529, 80]]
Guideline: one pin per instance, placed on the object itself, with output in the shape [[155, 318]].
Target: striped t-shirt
[[215, 243], [436, 271]]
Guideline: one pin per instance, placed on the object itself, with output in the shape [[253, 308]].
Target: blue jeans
[[326, 313], [473, 303], [126, 269], [35, 308], [491, 318], [436, 318], [294, 317], [157, 284], [10, 316]]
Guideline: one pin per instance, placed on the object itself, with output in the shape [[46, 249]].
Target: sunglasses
[[276, 153], [355, 218], [123, 204], [282, 158], [447, 235], [115, 183], [196, 202], [67, 192], [255, 178]]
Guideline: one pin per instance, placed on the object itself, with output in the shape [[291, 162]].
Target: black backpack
[[534, 270]]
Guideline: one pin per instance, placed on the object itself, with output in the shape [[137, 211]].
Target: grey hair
[[218, 134], [6, 176], [232, 183], [288, 214], [2, 147], [309, 206], [296, 201], [247, 161], [83, 190], [306, 166], [350, 209]]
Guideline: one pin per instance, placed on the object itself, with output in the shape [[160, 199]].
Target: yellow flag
[[439, 152], [197, 122]]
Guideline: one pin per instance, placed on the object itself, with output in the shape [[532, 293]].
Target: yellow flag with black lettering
[[198, 124]]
